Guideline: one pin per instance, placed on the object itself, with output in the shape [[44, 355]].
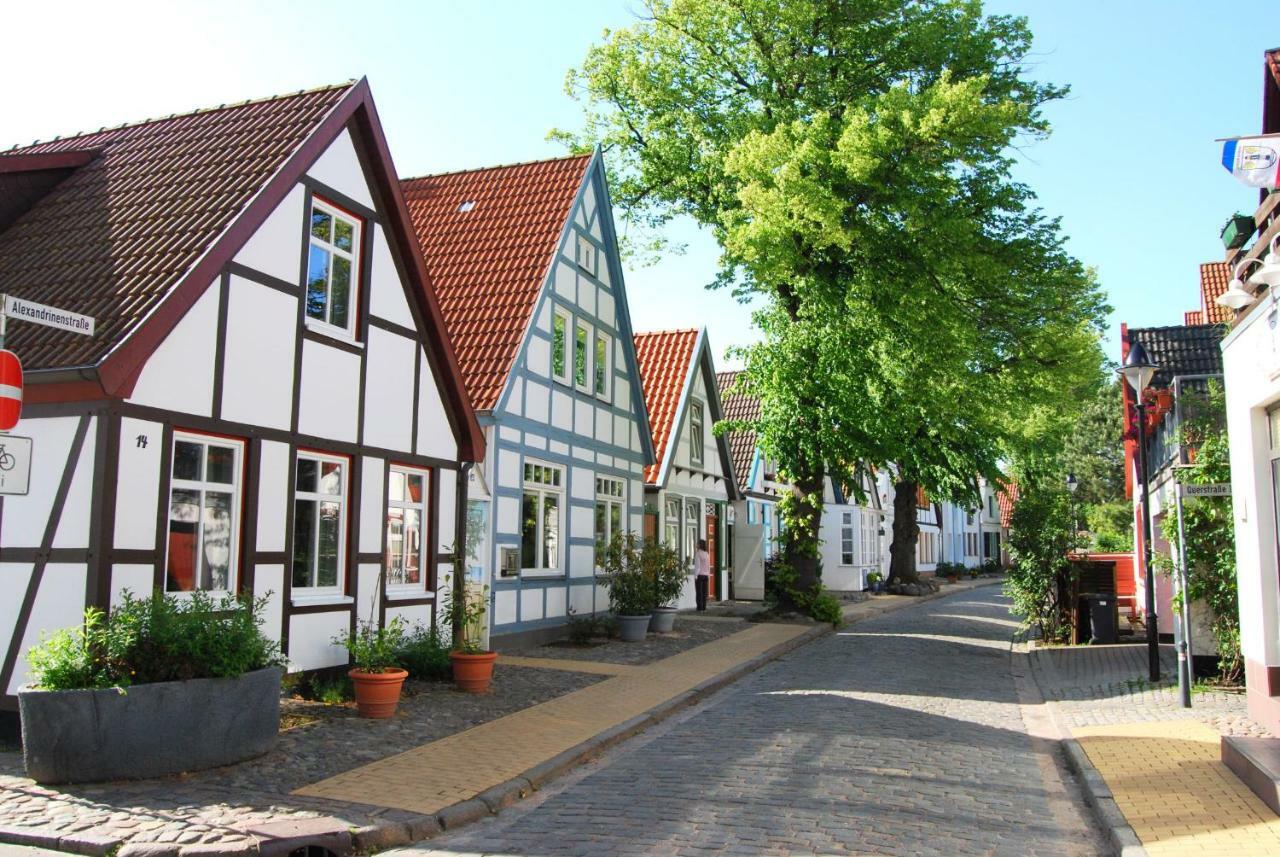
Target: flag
[[1255, 161]]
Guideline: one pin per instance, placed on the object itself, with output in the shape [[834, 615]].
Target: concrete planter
[[149, 730], [632, 629], [662, 620]]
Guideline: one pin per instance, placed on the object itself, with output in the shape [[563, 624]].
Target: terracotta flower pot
[[377, 694], [473, 673]]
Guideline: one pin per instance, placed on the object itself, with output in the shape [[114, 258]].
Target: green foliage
[[160, 638], [425, 654], [466, 610], [824, 607], [630, 586], [1041, 534], [1111, 525], [374, 648], [868, 205], [950, 569], [664, 567], [784, 592], [1209, 527], [331, 690], [583, 629], [1094, 452]]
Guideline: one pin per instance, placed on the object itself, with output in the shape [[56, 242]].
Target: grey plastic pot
[[148, 730], [662, 620], [632, 629]]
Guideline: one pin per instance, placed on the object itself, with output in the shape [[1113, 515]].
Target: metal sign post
[[1185, 672]]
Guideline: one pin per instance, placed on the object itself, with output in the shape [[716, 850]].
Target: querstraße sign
[[1218, 489]]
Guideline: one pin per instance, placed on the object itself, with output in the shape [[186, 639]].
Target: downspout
[[459, 550]]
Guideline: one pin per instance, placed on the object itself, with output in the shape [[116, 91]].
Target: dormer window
[[695, 434], [333, 268]]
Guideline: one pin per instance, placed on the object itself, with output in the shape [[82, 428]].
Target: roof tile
[[1214, 279], [114, 236], [1181, 350], [1007, 498], [488, 262], [739, 407], [663, 358]]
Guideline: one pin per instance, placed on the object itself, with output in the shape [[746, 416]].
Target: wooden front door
[[713, 547]]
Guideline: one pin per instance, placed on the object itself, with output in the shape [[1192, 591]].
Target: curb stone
[[1119, 833]]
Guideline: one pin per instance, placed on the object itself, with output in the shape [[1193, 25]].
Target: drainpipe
[[459, 549]]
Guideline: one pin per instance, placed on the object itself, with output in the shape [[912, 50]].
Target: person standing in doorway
[[701, 573]]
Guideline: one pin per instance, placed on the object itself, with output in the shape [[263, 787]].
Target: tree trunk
[[906, 531], [802, 537]]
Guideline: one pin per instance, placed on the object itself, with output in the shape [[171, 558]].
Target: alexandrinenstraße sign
[[24, 310]]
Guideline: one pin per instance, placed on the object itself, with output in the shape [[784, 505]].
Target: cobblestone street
[[902, 734]]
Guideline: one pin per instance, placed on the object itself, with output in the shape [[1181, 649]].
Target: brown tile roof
[[1193, 316], [1007, 498], [489, 262], [664, 358], [742, 444], [116, 235], [1214, 279]]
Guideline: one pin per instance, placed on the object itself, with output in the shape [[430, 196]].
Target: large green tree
[[852, 159]]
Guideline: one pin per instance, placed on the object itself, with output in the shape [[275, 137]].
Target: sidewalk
[[1150, 768]]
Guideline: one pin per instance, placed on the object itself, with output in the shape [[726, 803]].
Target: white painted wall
[[257, 379], [51, 611], [283, 228], [138, 483], [26, 516], [339, 168], [178, 376], [329, 402]]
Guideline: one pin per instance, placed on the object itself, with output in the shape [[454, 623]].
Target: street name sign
[[1219, 489], [46, 315], [15, 464]]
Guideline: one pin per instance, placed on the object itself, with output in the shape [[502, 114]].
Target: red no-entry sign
[[10, 390]]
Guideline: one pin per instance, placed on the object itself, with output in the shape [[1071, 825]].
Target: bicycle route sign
[[15, 464]]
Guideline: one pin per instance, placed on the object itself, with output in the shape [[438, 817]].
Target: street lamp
[[1236, 297], [1138, 371], [1072, 485]]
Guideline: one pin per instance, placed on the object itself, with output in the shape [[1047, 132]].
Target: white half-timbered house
[[269, 405], [852, 532], [754, 527], [689, 487], [525, 261]]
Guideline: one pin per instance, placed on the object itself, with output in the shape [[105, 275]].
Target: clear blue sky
[[1132, 168]]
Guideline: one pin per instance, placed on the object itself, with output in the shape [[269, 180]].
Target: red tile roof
[[742, 444], [1007, 498], [489, 261], [1214, 279], [117, 234], [1193, 316], [664, 358]]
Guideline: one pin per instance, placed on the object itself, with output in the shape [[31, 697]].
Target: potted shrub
[[668, 574], [875, 580], [949, 570], [150, 689], [472, 662], [630, 588], [376, 676]]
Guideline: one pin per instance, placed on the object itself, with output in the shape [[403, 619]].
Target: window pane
[[322, 225], [343, 234], [414, 484], [412, 546], [317, 282], [331, 478], [615, 518], [395, 546], [308, 468], [558, 345], [330, 534], [186, 460], [529, 531], [340, 294], [304, 536], [184, 533], [222, 465], [602, 523], [550, 531], [601, 357], [395, 486], [215, 572], [580, 357]]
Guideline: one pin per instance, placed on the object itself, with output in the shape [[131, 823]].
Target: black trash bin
[[1102, 616]]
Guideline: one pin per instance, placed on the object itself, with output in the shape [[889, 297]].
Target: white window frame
[[697, 438], [602, 376], [692, 529], [353, 297], [338, 590], [589, 353], [586, 254], [847, 546], [611, 493], [669, 521], [550, 484], [563, 372], [203, 485], [424, 523]]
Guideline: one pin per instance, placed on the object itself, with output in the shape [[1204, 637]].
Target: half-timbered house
[[689, 487], [525, 261], [269, 404]]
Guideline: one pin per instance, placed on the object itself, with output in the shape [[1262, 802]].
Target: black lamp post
[[1138, 371], [1072, 485]]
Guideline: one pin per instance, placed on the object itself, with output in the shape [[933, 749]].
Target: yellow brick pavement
[[1177, 795], [429, 778], [569, 665]]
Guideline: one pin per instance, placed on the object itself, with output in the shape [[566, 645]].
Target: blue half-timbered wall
[[540, 420]]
